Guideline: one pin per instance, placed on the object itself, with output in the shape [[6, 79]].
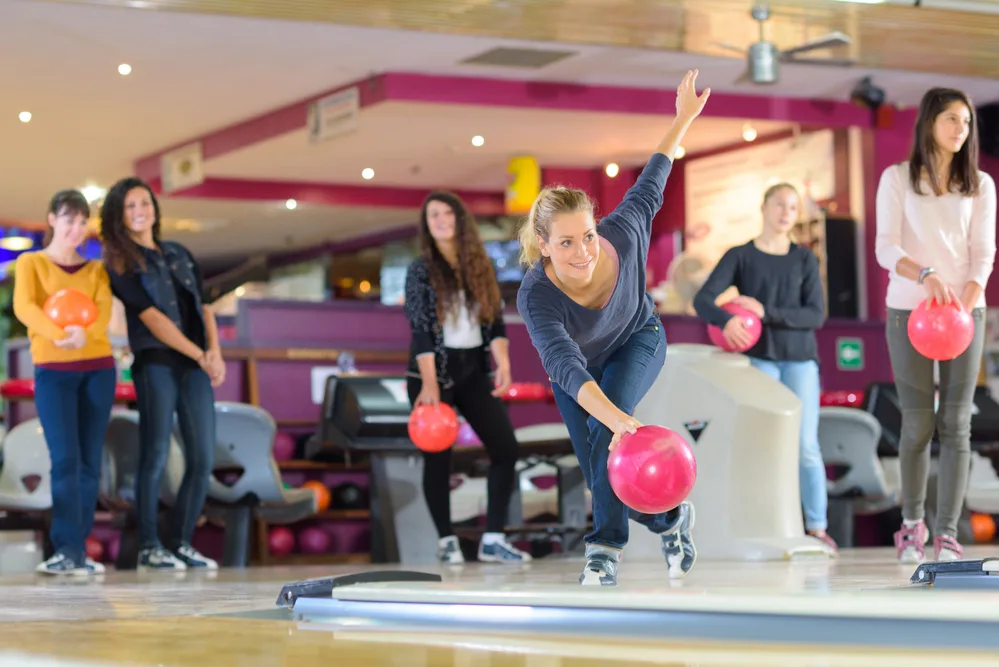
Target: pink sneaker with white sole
[[946, 548], [910, 543]]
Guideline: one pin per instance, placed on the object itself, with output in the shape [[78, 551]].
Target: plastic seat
[[25, 480]]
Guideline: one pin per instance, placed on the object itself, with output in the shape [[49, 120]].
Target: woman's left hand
[[688, 104], [76, 337], [750, 304], [502, 380], [215, 366]]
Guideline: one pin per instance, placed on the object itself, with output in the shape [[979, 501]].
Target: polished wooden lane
[[128, 618], [215, 642]]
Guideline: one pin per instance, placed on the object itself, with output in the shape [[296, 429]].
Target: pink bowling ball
[[753, 323]]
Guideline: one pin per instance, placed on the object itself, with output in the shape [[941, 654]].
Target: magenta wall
[[284, 385]]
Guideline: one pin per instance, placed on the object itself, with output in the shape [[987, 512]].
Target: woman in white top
[[936, 235], [455, 313]]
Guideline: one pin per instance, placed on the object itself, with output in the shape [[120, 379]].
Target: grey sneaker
[[61, 564], [502, 552], [677, 544], [600, 570], [449, 551]]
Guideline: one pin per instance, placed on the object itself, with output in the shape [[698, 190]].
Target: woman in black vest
[[174, 340], [454, 310]]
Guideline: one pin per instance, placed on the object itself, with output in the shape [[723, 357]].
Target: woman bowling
[[936, 217], [455, 314], [177, 361], [74, 377], [779, 281], [600, 338]]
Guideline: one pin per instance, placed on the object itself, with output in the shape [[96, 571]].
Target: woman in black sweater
[[455, 313], [780, 282]]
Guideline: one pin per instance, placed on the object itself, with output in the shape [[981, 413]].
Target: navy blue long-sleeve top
[[788, 286], [570, 337]]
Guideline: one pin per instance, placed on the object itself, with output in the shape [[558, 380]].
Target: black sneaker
[[61, 564], [600, 570], [677, 544]]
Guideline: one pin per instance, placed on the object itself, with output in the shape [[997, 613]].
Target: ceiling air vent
[[523, 58]]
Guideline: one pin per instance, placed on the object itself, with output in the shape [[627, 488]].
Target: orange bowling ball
[[322, 493], [69, 307]]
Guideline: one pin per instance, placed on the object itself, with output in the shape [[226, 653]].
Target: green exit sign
[[849, 354]]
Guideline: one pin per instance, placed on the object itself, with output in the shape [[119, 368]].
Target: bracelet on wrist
[[924, 273]]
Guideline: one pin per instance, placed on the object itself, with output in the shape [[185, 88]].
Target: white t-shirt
[[462, 330], [953, 234]]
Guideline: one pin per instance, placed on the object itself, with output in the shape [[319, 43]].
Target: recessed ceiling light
[[612, 169], [93, 193], [124, 69], [680, 152], [25, 116], [291, 204], [749, 132], [477, 140], [368, 173]]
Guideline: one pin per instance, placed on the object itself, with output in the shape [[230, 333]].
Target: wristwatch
[[925, 272]]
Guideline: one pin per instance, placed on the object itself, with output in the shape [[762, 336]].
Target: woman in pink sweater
[[936, 235]]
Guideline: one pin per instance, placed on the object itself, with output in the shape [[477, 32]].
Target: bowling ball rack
[[414, 601]]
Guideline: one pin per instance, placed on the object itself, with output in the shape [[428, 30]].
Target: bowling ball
[[280, 541], [284, 446], [652, 470], [322, 493], [69, 307], [349, 496], [94, 548], [751, 320], [433, 428], [313, 540], [941, 332], [983, 527]]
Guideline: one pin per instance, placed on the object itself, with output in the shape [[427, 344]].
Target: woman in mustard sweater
[[74, 377]]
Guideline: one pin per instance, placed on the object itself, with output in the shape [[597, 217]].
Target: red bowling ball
[[433, 428], [940, 332], [751, 320], [652, 470]]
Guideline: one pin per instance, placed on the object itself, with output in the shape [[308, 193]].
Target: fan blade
[[731, 47], [824, 42], [828, 62], [743, 78]]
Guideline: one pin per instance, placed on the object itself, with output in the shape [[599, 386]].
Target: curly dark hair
[[121, 253], [475, 275]]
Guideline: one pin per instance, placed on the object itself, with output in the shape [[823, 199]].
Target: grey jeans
[[914, 383]]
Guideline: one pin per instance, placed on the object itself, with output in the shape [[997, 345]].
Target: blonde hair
[[549, 203], [774, 189]]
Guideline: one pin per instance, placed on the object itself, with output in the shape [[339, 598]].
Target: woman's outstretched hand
[[688, 104]]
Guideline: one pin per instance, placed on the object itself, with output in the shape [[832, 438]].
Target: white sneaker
[[159, 559], [194, 559], [501, 551], [449, 551], [61, 564]]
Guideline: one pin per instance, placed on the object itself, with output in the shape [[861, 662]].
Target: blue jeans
[[625, 378], [802, 377], [74, 408], [161, 391]]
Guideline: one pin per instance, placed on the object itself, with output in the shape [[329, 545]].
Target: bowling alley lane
[[220, 642]]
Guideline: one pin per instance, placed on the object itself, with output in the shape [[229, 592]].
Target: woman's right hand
[[937, 290], [75, 338], [736, 333], [430, 394]]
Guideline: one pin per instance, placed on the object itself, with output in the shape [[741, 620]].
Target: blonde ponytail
[[549, 203]]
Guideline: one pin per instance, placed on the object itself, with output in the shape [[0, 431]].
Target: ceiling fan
[[763, 58]]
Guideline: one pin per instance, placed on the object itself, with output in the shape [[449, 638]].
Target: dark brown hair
[[475, 275], [964, 167], [121, 253], [65, 202]]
